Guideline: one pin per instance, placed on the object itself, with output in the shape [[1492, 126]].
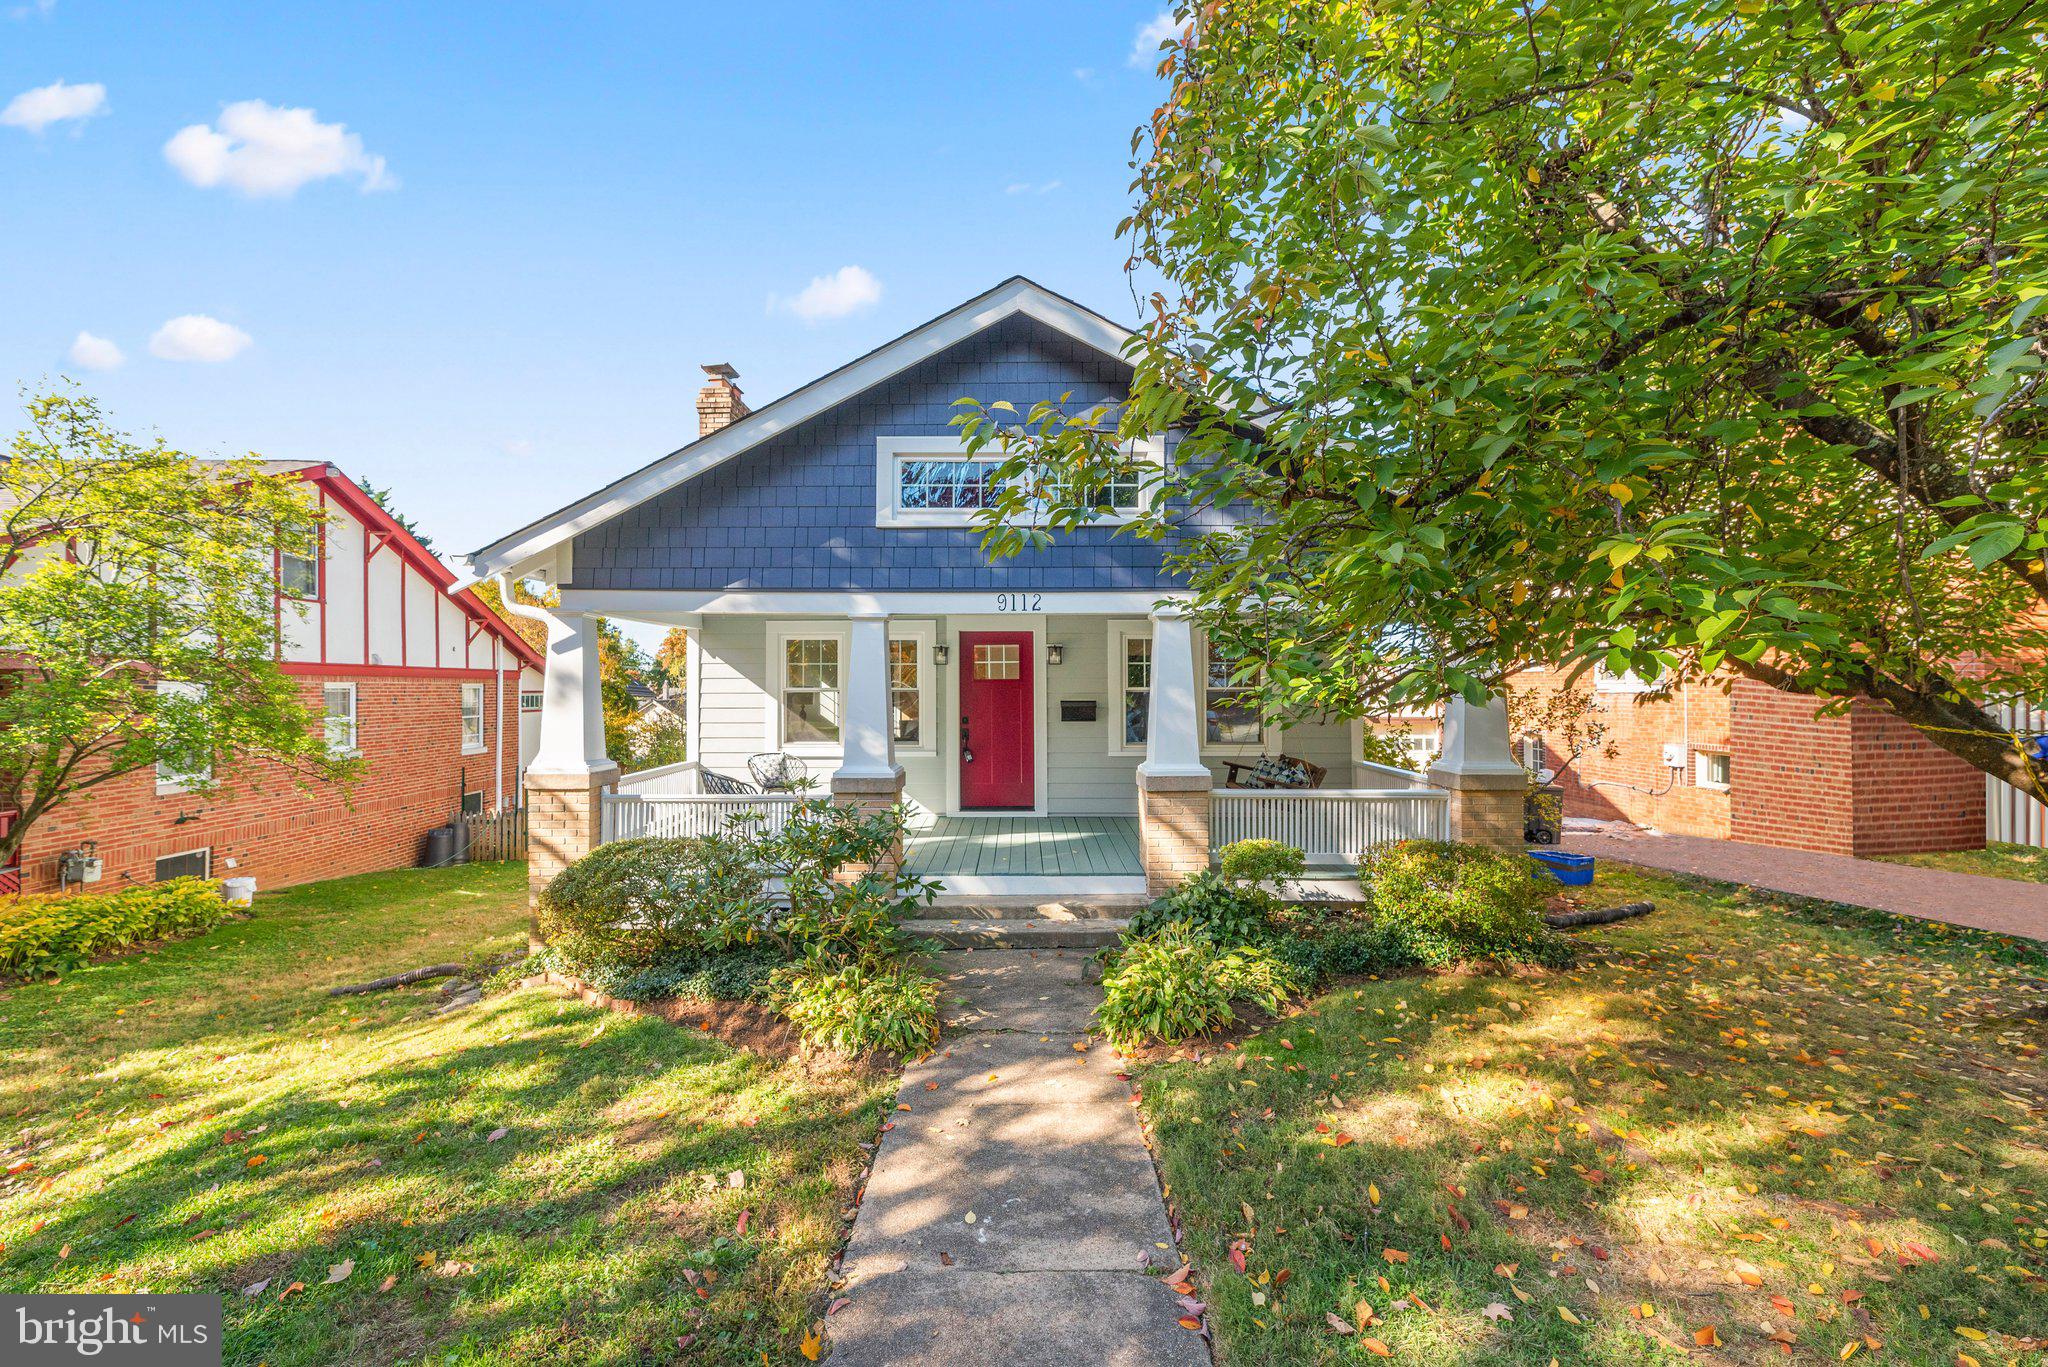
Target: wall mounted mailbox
[[1072, 709]]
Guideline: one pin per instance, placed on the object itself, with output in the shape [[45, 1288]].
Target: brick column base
[[1486, 809], [870, 794], [564, 815], [1173, 828]]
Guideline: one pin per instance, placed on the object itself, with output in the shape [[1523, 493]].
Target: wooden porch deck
[[1025, 846]]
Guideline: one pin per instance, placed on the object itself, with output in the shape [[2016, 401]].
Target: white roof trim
[[1016, 295]]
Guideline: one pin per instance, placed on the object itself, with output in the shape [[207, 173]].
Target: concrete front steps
[[1025, 922]]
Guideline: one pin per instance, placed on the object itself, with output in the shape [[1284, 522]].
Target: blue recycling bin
[[1572, 870]]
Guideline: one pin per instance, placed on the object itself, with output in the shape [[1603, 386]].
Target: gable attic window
[[298, 576], [932, 482]]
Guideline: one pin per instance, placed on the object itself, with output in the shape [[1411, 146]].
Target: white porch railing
[[2010, 816], [1330, 825], [628, 816], [667, 781]]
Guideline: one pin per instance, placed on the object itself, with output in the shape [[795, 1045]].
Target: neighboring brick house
[[1735, 759], [425, 682]]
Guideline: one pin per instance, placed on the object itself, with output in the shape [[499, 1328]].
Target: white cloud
[[196, 337], [95, 353], [38, 9], [260, 149], [1084, 74], [1153, 32], [56, 102], [847, 290], [1025, 187]]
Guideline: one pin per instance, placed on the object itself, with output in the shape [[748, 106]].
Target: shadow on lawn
[[1479, 1083], [599, 1125]]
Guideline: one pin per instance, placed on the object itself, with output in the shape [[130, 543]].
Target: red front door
[[995, 720]]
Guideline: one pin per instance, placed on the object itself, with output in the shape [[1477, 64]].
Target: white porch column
[[868, 738], [868, 776], [1173, 783], [572, 708], [1173, 726], [570, 773], [1478, 767]]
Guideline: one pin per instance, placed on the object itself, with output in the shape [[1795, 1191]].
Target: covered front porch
[[1065, 744]]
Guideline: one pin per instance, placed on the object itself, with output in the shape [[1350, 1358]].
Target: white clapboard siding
[[1330, 825], [2010, 816], [628, 817]]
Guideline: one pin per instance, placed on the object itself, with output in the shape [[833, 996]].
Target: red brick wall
[[1635, 785], [1794, 772], [1861, 783], [1910, 793], [410, 732]]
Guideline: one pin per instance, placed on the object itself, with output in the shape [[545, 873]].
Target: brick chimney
[[719, 403]]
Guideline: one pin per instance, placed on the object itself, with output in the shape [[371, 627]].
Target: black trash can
[[443, 847]]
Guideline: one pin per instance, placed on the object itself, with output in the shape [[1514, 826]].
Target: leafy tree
[[124, 567], [382, 498], [620, 664], [533, 633], [1682, 337], [672, 655]]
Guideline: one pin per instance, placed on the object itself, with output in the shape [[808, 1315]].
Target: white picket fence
[[1330, 826], [2010, 816], [628, 816]]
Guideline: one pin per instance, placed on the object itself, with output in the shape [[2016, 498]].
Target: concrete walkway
[[1013, 1211], [2005, 905]]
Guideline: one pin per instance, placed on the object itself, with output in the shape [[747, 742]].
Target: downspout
[[511, 602], [498, 727]]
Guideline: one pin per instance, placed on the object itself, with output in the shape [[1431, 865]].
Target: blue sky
[[484, 268]]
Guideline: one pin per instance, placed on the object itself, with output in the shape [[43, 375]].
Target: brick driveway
[[2004, 905]]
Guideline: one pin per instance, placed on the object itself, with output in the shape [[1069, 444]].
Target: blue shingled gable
[[798, 510]]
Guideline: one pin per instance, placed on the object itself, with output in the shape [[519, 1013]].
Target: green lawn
[[1731, 1121], [204, 1118], [2027, 863]]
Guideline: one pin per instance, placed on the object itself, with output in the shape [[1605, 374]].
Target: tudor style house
[[1052, 721], [407, 670]]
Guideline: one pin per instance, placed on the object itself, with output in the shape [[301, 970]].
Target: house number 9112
[[1020, 602]]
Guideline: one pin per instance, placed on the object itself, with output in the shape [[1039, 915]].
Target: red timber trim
[[306, 669], [381, 529]]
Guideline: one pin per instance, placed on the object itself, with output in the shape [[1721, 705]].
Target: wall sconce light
[[940, 654], [1055, 654]]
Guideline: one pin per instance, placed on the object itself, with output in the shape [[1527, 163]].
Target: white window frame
[[1606, 681], [922, 635], [1703, 767], [169, 780], [1270, 736], [532, 699], [891, 452], [482, 737], [319, 577], [780, 634], [206, 850], [353, 746], [1119, 683]]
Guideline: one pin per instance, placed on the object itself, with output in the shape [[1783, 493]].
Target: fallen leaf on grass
[[428, 1259], [1376, 1348], [495, 1135], [810, 1344], [339, 1272], [1705, 1337], [290, 1290], [1338, 1323], [387, 1283], [1498, 1310], [254, 1289]]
